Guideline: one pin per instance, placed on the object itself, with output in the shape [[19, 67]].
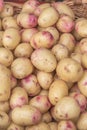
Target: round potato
[[44, 60], [44, 79], [53, 125], [11, 38], [31, 85], [6, 56], [64, 109], [21, 67], [57, 91], [69, 70], [46, 18], [46, 117], [23, 50], [32, 115], [13, 126]]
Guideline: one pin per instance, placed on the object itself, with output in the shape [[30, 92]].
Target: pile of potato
[[43, 68]]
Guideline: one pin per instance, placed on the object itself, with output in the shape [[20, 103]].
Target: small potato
[[32, 115], [65, 24], [40, 8], [4, 106], [13, 82], [82, 84], [9, 22], [81, 100], [1, 37], [7, 11], [11, 38], [31, 85], [84, 60], [67, 40], [21, 67], [80, 27], [69, 70], [27, 34], [67, 108], [6, 56], [83, 45], [42, 39], [48, 17], [19, 97], [63, 9], [15, 127], [46, 117], [26, 20], [53, 125], [23, 50], [44, 79], [76, 35], [65, 125], [41, 102], [44, 92], [57, 91], [60, 51], [43, 60], [4, 120], [77, 57], [30, 6], [82, 121]]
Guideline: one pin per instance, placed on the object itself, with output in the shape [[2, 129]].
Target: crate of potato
[[43, 67]]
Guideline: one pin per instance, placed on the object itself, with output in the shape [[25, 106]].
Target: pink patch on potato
[[37, 116], [69, 125], [32, 21], [33, 3]]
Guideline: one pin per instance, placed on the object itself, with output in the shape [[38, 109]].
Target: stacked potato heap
[[43, 62]]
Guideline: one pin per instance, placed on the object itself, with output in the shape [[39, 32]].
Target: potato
[[4, 120], [83, 45], [29, 115], [80, 27], [62, 125], [53, 125], [53, 114], [1, 37], [21, 67], [26, 20], [31, 85], [44, 79], [0, 24], [23, 50], [41, 102], [4, 106], [19, 97], [5, 84], [60, 51], [67, 108], [81, 100], [82, 84], [65, 24], [57, 91], [11, 38], [44, 92], [75, 88], [30, 5], [46, 117], [77, 57], [13, 82], [44, 60], [69, 70], [27, 34], [67, 40], [15, 127], [6, 56], [84, 62], [42, 39], [46, 18], [63, 9], [76, 35], [82, 121], [40, 8], [1, 5], [77, 49]]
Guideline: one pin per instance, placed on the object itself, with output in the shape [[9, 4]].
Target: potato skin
[[4, 106], [41, 57], [53, 125], [46, 20], [69, 70], [46, 117], [33, 115], [15, 126]]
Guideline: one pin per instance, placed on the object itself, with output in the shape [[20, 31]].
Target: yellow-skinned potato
[[1, 37], [15, 126], [53, 125], [58, 89], [32, 115], [4, 106], [46, 18], [44, 79], [77, 57], [44, 92], [67, 108], [77, 48], [44, 60], [60, 51], [0, 24], [46, 117], [53, 114], [14, 82], [84, 60], [65, 125], [21, 67], [23, 50], [11, 38], [83, 45], [6, 56], [69, 70]]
